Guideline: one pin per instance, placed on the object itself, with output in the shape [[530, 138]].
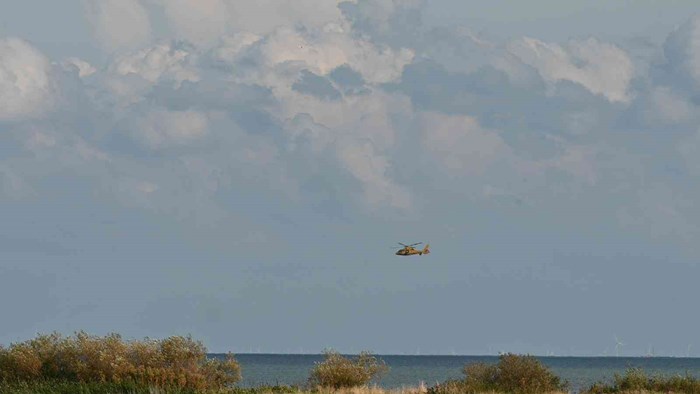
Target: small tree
[[337, 371]]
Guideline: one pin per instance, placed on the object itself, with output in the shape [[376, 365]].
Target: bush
[[636, 380], [267, 389], [62, 387], [337, 371], [512, 374], [174, 362]]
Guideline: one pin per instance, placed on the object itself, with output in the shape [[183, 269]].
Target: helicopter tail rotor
[[426, 249]]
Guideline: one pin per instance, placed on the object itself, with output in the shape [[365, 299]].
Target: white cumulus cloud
[[134, 73], [600, 67], [152, 63], [25, 82], [84, 68], [290, 50]]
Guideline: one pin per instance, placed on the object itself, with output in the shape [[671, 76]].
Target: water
[[405, 371]]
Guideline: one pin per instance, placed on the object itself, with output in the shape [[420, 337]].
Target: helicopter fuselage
[[409, 250]]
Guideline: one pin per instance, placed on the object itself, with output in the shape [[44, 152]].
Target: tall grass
[[177, 363], [337, 371]]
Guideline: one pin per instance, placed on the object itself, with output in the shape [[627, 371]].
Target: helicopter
[[410, 250]]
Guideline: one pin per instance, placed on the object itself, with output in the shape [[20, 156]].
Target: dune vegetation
[[337, 371], [512, 374], [111, 364], [635, 380], [87, 364]]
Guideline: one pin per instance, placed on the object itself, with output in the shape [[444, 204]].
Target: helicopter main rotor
[[408, 246]]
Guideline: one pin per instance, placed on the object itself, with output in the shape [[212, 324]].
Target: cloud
[[231, 47], [84, 68], [325, 105], [370, 168], [332, 48], [133, 74], [153, 63], [682, 52], [462, 146], [162, 128], [255, 129], [600, 67], [668, 106], [118, 24], [392, 22], [353, 133], [25, 80], [315, 75]]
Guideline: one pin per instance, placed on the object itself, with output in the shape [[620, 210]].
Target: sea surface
[[406, 371]]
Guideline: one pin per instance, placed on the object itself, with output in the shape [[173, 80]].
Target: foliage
[[512, 374], [266, 389], [337, 371], [58, 387], [64, 387], [174, 362], [636, 380]]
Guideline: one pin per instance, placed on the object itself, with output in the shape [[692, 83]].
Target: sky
[[242, 171]]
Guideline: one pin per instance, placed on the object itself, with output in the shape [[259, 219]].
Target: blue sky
[[241, 171]]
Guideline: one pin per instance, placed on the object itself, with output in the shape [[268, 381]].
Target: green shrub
[[266, 389], [174, 362], [636, 380], [63, 387], [453, 386], [337, 371], [512, 374]]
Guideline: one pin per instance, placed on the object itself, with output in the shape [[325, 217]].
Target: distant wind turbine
[[650, 352], [687, 352], [618, 344]]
